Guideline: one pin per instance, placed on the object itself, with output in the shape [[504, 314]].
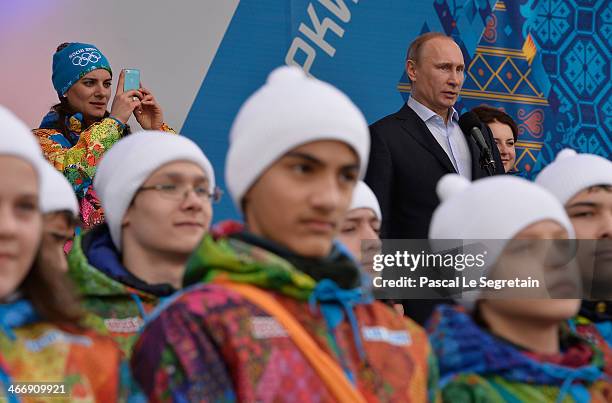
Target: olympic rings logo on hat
[[83, 59]]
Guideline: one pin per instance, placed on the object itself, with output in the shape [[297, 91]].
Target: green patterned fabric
[[238, 261], [112, 307]]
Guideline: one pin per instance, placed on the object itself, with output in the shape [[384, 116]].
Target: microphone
[[470, 124]]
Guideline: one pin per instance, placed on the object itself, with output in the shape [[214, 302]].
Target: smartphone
[[131, 79]]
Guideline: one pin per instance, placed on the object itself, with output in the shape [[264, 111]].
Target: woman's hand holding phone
[[125, 102], [149, 113]]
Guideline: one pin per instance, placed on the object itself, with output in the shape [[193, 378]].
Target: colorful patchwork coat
[[476, 366], [595, 318], [210, 343], [31, 350], [116, 301], [76, 154]]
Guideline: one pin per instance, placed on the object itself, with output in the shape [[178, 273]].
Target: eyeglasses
[[180, 191]]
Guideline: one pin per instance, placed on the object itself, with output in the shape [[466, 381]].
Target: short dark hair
[[488, 115], [415, 48]]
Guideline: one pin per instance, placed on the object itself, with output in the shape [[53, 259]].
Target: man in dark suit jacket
[[414, 147], [406, 158]]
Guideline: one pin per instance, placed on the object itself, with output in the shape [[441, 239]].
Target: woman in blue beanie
[[78, 130]]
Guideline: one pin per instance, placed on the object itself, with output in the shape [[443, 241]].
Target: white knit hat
[[570, 173], [363, 197], [17, 140], [291, 109], [57, 193], [128, 164], [470, 212]]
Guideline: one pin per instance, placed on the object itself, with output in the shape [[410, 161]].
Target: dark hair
[[64, 110], [71, 220], [51, 292], [62, 46], [414, 50], [488, 115]]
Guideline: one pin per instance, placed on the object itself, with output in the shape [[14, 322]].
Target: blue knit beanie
[[73, 62]]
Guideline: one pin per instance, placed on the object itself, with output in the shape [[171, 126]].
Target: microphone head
[[469, 120]]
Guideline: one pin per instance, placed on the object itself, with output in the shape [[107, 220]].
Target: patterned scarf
[[330, 283], [74, 123], [235, 260], [464, 347], [246, 258]]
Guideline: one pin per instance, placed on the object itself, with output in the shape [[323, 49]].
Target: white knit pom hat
[[17, 140], [570, 173], [128, 164], [364, 197], [57, 193], [470, 212], [289, 110]]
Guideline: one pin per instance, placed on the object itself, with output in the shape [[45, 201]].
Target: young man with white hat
[[504, 348], [359, 231], [583, 184], [157, 192], [60, 209], [298, 146]]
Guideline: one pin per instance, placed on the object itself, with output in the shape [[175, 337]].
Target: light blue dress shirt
[[449, 136]]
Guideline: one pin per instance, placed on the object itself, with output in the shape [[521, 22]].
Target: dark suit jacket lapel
[[412, 121]]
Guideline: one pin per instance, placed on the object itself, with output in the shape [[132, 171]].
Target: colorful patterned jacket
[[208, 343], [76, 154], [31, 350], [116, 301], [595, 319], [594, 324], [476, 366]]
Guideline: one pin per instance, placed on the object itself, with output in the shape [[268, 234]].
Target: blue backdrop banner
[[545, 62]]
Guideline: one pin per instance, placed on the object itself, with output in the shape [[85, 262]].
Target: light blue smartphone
[[131, 79]]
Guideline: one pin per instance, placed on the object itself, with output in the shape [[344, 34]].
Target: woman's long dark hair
[[51, 292], [63, 109]]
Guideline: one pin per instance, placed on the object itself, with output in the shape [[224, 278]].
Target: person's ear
[[126, 217], [411, 69]]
